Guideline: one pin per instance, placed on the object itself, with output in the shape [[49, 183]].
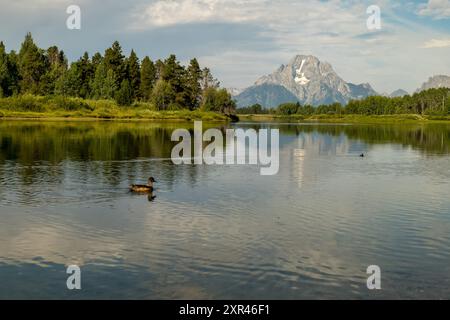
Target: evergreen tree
[[56, 67], [4, 71], [159, 67], [114, 60], [148, 78], [134, 73], [124, 96], [173, 73], [86, 75], [208, 81], [96, 60], [193, 86], [32, 65], [14, 76]]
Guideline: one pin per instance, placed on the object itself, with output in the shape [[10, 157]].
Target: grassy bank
[[36, 107], [347, 118]]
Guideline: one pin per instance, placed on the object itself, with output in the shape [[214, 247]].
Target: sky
[[242, 40]]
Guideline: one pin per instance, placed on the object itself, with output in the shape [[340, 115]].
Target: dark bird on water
[[142, 188], [362, 155]]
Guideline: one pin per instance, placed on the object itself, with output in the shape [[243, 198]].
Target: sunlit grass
[[29, 106]]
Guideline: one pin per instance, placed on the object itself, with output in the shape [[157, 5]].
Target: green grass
[[347, 118], [29, 106]]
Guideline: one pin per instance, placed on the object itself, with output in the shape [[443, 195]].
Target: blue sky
[[241, 40]]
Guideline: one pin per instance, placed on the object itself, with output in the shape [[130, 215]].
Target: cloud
[[276, 14], [437, 43], [438, 9], [163, 13]]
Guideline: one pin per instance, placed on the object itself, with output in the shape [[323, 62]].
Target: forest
[[432, 102], [162, 84]]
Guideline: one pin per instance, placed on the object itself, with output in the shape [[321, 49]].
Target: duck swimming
[[142, 188]]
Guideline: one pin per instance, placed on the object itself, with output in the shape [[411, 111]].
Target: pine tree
[[159, 67], [96, 60], [4, 71], [208, 81], [173, 73], [32, 65], [134, 73], [86, 73], [56, 67], [193, 86], [114, 60], [124, 95], [148, 78]]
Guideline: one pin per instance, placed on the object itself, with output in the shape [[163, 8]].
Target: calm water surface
[[224, 232]]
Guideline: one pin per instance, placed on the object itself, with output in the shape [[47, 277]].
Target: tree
[[124, 96], [70, 82], [134, 73], [114, 60], [218, 100], [32, 65], [4, 71], [162, 95], [86, 75], [57, 66], [208, 81], [173, 73], [148, 78], [104, 83], [193, 86]]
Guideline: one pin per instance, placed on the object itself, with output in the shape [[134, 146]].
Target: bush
[[70, 104], [24, 103]]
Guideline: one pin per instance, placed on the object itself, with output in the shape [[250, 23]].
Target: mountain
[[265, 94], [304, 79], [439, 81], [234, 91], [398, 93]]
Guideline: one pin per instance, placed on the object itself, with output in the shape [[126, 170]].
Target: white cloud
[[437, 43], [280, 14], [171, 12], [438, 9]]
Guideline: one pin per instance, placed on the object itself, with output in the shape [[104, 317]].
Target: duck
[[142, 188], [362, 155]]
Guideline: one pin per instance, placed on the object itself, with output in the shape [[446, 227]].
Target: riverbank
[[59, 108], [348, 118], [135, 115]]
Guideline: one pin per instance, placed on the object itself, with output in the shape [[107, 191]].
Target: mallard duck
[[142, 187]]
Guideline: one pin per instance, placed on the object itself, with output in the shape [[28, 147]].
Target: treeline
[[428, 102], [166, 84]]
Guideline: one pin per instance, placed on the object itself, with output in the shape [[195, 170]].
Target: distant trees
[[253, 109], [428, 102], [166, 84]]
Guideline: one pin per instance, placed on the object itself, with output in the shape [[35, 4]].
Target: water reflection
[[223, 231]]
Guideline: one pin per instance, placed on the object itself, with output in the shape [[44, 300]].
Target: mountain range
[[308, 80], [304, 79], [439, 81]]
